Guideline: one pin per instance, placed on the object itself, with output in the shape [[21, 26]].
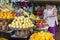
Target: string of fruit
[[42, 36], [21, 22]]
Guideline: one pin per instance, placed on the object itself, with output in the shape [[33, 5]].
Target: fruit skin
[[41, 36]]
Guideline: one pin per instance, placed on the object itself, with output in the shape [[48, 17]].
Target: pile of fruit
[[4, 7], [23, 12], [21, 22], [42, 36], [41, 23], [10, 8], [32, 16], [6, 15]]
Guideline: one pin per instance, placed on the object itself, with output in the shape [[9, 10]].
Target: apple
[[40, 24], [38, 21], [43, 24]]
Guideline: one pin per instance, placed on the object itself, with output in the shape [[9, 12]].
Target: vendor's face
[[47, 6]]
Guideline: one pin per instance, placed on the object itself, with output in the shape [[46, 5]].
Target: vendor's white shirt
[[49, 20]]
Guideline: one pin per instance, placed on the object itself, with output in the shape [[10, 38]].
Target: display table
[[7, 35]]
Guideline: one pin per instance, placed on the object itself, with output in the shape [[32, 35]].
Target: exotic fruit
[[21, 22], [41, 36]]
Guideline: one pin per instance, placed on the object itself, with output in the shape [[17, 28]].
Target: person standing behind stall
[[50, 18], [39, 11]]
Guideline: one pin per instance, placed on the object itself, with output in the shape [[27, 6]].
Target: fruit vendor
[[50, 16]]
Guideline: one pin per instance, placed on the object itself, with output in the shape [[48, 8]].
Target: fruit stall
[[27, 26], [22, 24]]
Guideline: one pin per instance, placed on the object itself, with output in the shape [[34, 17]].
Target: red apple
[[37, 24], [40, 24]]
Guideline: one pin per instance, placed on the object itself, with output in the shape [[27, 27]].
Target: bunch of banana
[[32, 16]]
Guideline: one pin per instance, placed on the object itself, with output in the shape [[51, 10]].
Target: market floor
[[58, 35]]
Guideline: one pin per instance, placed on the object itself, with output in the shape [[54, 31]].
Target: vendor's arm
[[53, 15]]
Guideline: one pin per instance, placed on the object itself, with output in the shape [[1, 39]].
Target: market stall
[[24, 23]]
